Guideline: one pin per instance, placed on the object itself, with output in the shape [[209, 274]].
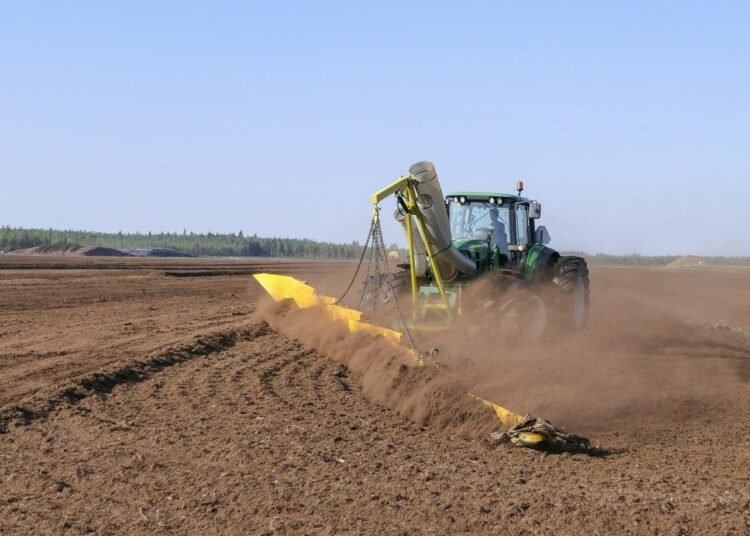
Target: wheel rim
[[525, 319], [537, 318], [579, 304]]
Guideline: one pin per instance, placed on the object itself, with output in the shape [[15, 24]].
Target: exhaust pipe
[[431, 205]]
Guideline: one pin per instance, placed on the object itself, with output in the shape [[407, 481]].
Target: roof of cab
[[475, 196]]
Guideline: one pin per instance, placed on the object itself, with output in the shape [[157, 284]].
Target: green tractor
[[482, 251], [476, 260]]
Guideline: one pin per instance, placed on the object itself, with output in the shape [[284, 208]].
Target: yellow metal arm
[[405, 185], [396, 186]]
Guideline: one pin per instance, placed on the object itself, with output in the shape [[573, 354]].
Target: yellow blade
[[507, 417], [392, 335], [284, 287], [339, 312]]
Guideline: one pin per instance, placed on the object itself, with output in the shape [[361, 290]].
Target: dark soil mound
[[157, 252], [72, 250]]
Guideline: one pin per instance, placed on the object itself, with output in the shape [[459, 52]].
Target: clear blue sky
[[630, 120]]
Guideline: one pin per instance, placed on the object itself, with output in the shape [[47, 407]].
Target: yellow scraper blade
[[284, 287], [507, 417]]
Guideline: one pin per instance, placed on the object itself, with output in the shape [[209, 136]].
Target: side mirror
[[535, 210], [541, 236]]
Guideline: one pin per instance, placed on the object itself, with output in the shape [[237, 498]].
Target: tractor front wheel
[[523, 317]]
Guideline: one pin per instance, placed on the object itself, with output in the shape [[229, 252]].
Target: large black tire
[[504, 310], [570, 276]]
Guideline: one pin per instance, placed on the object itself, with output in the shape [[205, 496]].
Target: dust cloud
[[429, 396], [660, 345], [639, 360]]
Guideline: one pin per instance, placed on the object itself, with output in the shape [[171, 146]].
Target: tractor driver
[[499, 236]]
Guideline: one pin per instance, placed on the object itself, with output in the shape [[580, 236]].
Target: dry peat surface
[[142, 396]]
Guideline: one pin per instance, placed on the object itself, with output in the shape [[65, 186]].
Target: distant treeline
[[231, 244], [209, 244], [653, 260]]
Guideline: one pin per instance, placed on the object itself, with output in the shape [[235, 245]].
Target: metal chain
[[366, 282], [359, 265], [380, 246], [379, 254]]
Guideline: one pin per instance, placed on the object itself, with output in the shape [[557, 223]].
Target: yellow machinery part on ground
[[284, 287], [507, 417]]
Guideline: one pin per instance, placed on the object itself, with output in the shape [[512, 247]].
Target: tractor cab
[[494, 229]]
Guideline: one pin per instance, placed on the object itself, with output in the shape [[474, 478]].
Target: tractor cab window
[[480, 221], [522, 225]]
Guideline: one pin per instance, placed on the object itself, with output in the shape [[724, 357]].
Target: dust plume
[[643, 357], [654, 351], [425, 395]]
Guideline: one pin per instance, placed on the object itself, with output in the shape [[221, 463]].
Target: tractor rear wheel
[[571, 277]]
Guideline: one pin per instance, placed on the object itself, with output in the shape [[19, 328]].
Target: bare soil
[[146, 396]]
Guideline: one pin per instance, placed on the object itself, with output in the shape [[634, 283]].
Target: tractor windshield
[[478, 220]]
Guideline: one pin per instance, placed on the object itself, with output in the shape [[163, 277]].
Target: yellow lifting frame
[[405, 186]]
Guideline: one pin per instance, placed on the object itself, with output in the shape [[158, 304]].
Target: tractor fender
[[537, 260]]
